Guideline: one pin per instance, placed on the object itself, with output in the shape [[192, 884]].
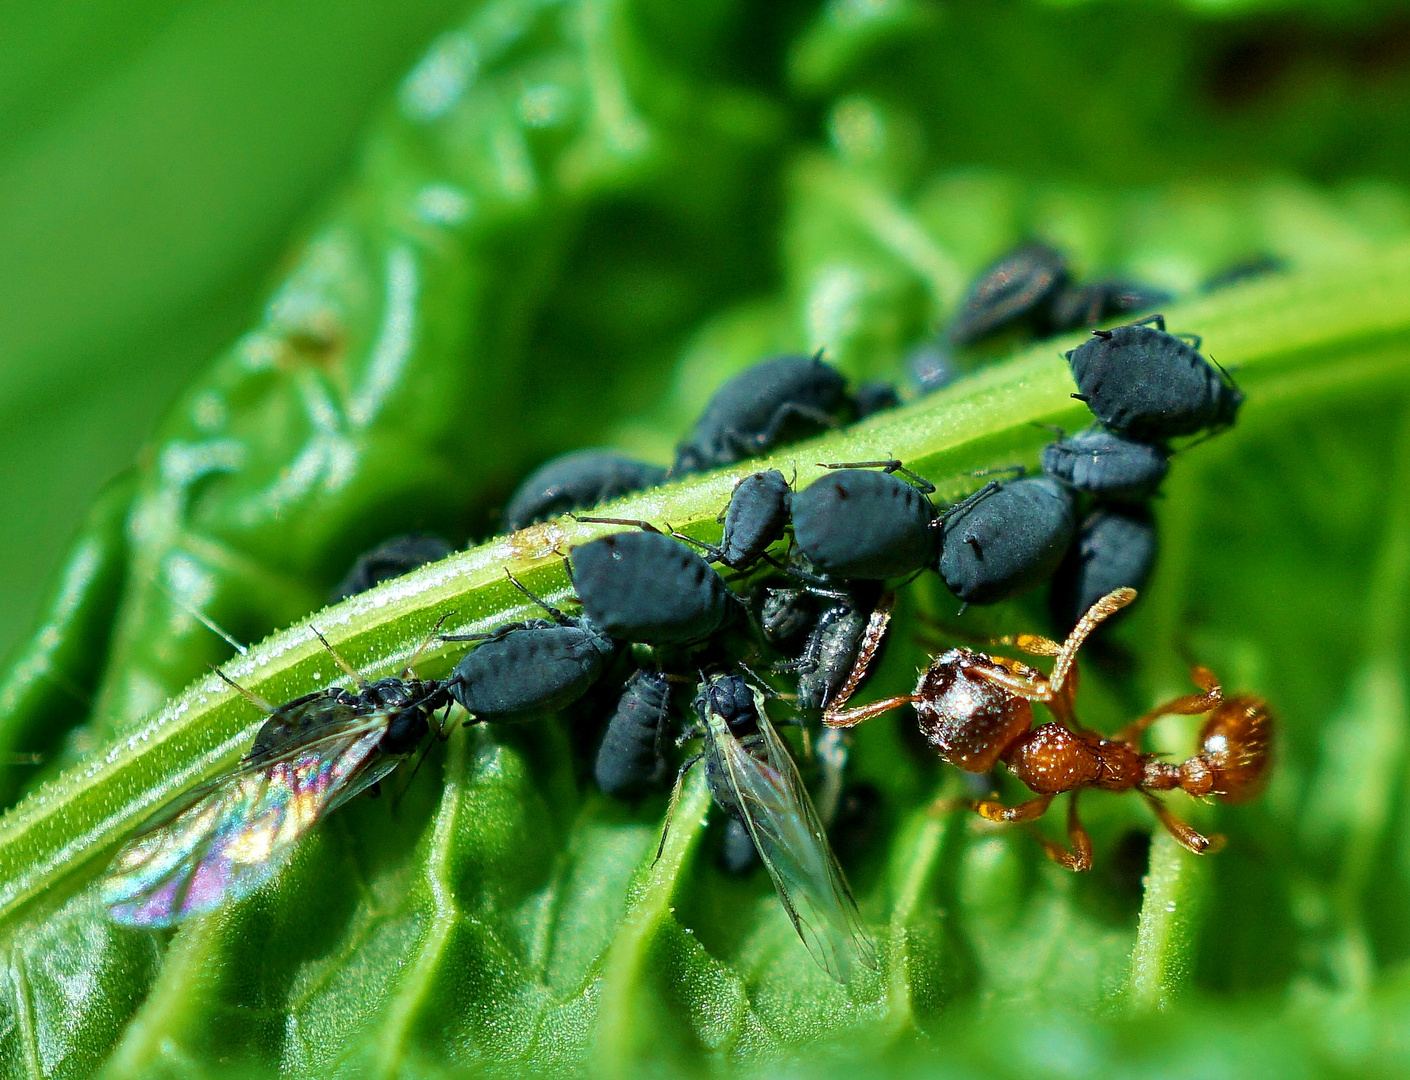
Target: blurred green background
[[154, 160], [568, 221]]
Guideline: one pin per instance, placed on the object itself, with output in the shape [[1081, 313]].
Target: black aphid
[[874, 397], [1144, 383], [1005, 539], [755, 519], [1103, 463], [576, 480], [389, 559], [859, 523], [1115, 547], [526, 669], [774, 402], [1017, 288], [1087, 305], [650, 588], [632, 756]]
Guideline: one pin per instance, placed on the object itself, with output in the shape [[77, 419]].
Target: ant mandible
[[977, 710]]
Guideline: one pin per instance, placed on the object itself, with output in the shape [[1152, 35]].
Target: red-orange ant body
[[977, 710]]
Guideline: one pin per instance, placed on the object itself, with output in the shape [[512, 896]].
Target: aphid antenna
[[251, 697], [410, 666], [556, 615], [644, 526], [886, 465], [1061, 433], [204, 619], [1018, 471], [346, 668]]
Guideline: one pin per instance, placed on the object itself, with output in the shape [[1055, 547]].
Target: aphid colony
[[818, 566]]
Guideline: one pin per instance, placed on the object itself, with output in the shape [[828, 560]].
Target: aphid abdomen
[[529, 672], [832, 649], [970, 720], [1007, 541], [863, 524], [631, 758]]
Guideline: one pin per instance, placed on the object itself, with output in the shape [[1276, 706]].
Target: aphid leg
[[1195, 341], [252, 698], [1187, 837], [347, 668], [1185, 705], [887, 465], [835, 712], [671, 806], [788, 411], [553, 613], [969, 500], [713, 553], [1104, 608], [1158, 321], [636, 523]]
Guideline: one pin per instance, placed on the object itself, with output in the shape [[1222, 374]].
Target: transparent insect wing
[[230, 836], [793, 845]]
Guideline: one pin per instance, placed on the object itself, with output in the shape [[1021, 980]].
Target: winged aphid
[[223, 839], [752, 777]]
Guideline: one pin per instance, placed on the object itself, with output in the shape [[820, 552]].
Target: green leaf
[[571, 224]]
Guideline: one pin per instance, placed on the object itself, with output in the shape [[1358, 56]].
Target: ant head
[[967, 712]]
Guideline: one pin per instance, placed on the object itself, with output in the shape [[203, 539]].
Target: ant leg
[[888, 465], [1079, 858], [1103, 609], [1183, 833], [1185, 705], [993, 810], [644, 526], [836, 713]]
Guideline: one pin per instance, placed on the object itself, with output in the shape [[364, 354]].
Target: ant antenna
[[1103, 609], [252, 698], [347, 668], [204, 619]]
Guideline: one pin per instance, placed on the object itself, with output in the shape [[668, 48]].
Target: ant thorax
[[967, 716]]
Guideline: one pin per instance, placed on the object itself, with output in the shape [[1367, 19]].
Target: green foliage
[[573, 221]]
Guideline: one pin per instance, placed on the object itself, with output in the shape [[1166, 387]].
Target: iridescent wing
[[793, 845], [224, 839]]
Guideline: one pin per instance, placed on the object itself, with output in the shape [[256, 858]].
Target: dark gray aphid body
[[650, 588], [786, 614], [389, 559], [873, 397], [1007, 540], [577, 480], [1141, 382], [632, 757], [738, 855], [1103, 463], [1015, 289], [831, 651], [1249, 268], [756, 518], [531, 668], [863, 524], [1114, 547], [1087, 305], [774, 402]]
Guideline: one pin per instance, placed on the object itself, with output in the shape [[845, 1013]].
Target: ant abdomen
[[1236, 743], [1052, 759], [970, 719]]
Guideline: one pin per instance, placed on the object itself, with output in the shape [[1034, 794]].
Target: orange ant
[[977, 710]]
